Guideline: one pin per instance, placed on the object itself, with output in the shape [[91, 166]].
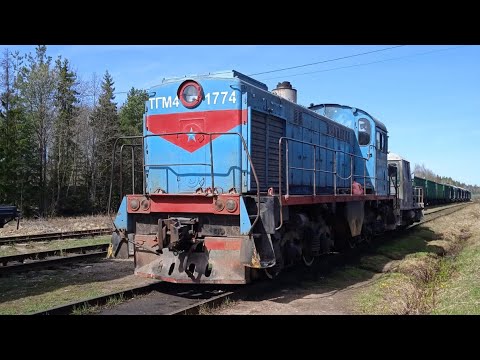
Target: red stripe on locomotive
[[193, 123]]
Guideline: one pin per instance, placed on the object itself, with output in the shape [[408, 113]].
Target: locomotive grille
[[265, 133], [298, 117]]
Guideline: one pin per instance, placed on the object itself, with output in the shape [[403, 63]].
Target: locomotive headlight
[[231, 205], [219, 205], [145, 204], [134, 204], [190, 93]]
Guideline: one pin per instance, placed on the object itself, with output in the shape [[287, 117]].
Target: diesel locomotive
[[240, 181]]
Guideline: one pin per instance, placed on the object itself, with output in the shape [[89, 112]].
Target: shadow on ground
[[335, 274], [36, 282]]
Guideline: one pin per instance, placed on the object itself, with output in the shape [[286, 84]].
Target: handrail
[[315, 170], [111, 174], [210, 134], [133, 167]]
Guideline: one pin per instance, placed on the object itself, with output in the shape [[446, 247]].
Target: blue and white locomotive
[[240, 180]]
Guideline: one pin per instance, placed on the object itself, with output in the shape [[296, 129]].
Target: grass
[[459, 285], [86, 309], [206, 309], [392, 294], [52, 297], [7, 250], [375, 263], [33, 291], [436, 271], [399, 248]]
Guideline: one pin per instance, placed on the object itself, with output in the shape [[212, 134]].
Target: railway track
[[173, 299], [54, 236], [428, 215], [159, 298], [45, 259]]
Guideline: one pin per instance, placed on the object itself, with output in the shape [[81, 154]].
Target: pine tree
[[106, 124], [131, 113], [65, 150]]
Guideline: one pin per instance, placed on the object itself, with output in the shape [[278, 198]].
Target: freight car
[[240, 181], [438, 193]]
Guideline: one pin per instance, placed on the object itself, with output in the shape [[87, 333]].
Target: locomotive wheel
[[308, 260]]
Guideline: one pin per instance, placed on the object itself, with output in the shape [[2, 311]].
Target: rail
[[54, 236], [334, 173], [210, 164], [44, 258]]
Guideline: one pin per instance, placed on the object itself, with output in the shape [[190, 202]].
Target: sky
[[426, 95]]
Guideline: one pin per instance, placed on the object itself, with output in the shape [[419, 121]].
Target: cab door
[[365, 165], [381, 173]]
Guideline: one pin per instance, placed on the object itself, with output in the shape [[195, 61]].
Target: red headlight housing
[[190, 94]]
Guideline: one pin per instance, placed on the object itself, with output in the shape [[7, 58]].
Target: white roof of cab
[[393, 156]]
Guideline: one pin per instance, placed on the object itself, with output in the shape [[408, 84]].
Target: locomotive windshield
[[363, 132]]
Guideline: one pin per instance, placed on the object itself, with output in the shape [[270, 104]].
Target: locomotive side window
[[363, 132], [381, 142]]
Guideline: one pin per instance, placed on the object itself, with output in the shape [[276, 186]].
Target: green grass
[[34, 291], [422, 282], [7, 250], [51, 297], [399, 248], [418, 241], [375, 263], [86, 309], [459, 283], [393, 293], [405, 288]]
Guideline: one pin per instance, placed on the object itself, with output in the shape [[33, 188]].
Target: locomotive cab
[[409, 198]]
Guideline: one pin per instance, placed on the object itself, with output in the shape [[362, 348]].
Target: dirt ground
[[319, 300], [331, 294], [57, 224]]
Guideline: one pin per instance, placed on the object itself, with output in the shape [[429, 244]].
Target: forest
[[57, 133]]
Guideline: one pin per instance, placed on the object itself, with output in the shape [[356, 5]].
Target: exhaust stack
[[286, 91]]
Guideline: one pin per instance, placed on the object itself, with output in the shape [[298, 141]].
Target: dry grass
[[424, 282], [393, 294], [209, 310], [25, 248], [56, 224], [421, 267]]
